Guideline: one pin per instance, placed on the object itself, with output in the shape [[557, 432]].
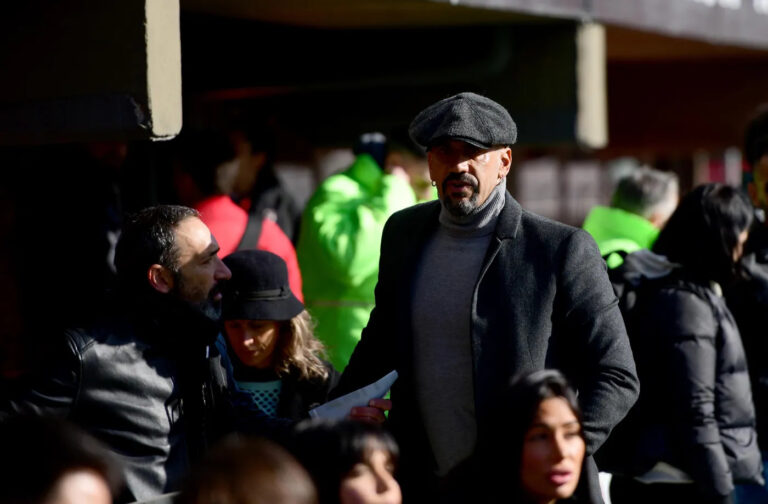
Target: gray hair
[[646, 191]]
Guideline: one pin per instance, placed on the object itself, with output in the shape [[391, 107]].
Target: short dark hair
[[756, 136], [373, 143], [149, 237], [248, 471], [704, 230], [38, 451], [644, 191], [330, 449]]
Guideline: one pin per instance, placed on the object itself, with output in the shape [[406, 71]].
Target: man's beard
[[464, 206], [208, 307]]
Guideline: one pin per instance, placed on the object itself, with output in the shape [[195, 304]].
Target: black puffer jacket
[[748, 300], [695, 408]]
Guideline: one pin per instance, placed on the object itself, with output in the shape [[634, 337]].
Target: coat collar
[[509, 219], [507, 224]]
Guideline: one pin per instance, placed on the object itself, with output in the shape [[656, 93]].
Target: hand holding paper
[[363, 400], [373, 413]]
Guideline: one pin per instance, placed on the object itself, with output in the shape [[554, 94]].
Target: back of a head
[[249, 471], [646, 192], [38, 452], [148, 237], [373, 143], [703, 232], [330, 449], [379, 145]]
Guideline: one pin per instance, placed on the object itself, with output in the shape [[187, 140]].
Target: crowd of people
[[525, 364]]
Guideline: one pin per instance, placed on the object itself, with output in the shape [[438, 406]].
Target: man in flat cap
[[473, 290]]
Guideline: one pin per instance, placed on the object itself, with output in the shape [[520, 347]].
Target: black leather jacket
[[147, 381]]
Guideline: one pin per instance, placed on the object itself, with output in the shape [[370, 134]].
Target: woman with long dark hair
[[351, 462], [694, 436], [538, 441]]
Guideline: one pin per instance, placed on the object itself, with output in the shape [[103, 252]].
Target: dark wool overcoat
[[542, 300]]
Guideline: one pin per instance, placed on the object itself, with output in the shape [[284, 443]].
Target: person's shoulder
[[113, 326], [415, 213], [535, 220], [687, 307], [84, 337], [336, 184], [316, 384], [272, 234], [333, 374], [554, 232]]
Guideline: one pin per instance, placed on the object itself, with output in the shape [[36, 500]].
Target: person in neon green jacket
[[339, 244], [641, 205]]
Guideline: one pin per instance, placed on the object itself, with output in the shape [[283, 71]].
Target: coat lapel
[[490, 355], [506, 229]]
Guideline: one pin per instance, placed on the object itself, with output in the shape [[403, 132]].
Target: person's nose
[[559, 448], [248, 339], [222, 272], [385, 482]]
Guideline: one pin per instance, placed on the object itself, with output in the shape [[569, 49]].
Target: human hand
[[373, 413]]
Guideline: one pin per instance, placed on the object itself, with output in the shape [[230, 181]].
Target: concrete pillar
[[89, 70]]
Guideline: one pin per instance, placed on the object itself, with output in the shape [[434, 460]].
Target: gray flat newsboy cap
[[468, 117]]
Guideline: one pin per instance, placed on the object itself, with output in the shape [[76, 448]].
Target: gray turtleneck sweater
[[443, 289]]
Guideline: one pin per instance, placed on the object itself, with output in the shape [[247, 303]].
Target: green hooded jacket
[[338, 250], [618, 230]]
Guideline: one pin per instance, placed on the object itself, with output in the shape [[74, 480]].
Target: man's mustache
[[464, 178]]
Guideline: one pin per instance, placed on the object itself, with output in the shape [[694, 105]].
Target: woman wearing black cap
[[269, 337]]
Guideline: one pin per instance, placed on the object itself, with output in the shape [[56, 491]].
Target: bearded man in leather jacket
[[146, 378]]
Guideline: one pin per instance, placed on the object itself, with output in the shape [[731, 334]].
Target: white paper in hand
[[339, 407]]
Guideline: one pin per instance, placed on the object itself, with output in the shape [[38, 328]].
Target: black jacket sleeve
[[601, 358]]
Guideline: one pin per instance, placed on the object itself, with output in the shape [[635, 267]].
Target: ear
[[506, 162], [160, 278]]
